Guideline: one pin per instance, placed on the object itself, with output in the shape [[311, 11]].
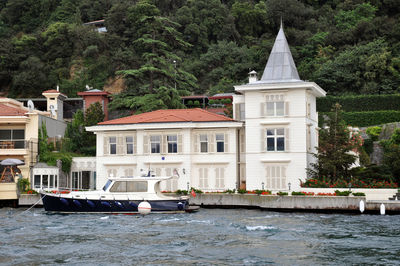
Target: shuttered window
[[275, 177], [220, 139], [220, 177]]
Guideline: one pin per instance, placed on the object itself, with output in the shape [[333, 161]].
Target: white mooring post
[[382, 209], [362, 206]]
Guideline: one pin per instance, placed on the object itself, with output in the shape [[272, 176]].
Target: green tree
[[334, 156], [159, 81], [391, 156]]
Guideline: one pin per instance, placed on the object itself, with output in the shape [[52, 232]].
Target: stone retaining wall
[[293, 203]]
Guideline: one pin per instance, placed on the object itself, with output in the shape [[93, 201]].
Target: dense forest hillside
[[167, 48]]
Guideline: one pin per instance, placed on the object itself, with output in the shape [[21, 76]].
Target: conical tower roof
[[280, 66]]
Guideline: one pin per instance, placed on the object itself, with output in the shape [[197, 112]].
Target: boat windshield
[[107, 185]]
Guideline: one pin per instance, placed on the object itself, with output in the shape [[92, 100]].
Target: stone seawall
[[293, 203]]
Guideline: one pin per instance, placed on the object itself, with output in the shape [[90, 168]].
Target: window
[[276, 177], [129, 145], [12, 138], [276, 139], [172, 141], [275, 105], [137, 186], [113, 145], [155, 142], [275, 109], [220, 142], [36, 181], [242, 113], [219, 177], [119, 186], [45, 181], [203, 143], [203, 177]]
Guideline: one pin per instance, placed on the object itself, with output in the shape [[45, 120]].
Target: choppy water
[[209, 237]]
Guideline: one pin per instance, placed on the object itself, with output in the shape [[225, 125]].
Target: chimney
[[252, 77]]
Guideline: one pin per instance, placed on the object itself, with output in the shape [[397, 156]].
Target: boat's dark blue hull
[[67, 205]]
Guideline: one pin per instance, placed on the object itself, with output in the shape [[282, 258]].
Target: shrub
[[230, 191], [23, 184], [241, 191], [358, 194], [295, 193], [181, 192], [360, 103], [374, 132], [211, 102], [196, 103], [226, 101], [280, 193], [363, 119], [342, 193], [189, 103]]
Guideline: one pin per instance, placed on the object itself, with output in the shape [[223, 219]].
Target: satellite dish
[[88, 88], [31, 106]]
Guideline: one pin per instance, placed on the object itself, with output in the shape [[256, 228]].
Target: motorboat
[[128, 195]]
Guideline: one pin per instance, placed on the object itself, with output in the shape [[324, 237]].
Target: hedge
[[363, 119], [360, 103]]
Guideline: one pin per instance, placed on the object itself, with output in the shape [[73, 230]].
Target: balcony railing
[[13, 144]]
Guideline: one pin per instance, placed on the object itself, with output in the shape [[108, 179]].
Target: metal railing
[[13, 144]]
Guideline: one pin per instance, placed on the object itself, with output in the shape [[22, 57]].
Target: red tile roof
[[6, 110], [170, 115]]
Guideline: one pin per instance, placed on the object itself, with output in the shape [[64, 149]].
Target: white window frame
[[275, 134], [218, 141], [203, 139], [155, 142], [129, 144], [172, 143], [112, 144]]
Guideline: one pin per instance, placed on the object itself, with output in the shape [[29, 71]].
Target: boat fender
[[106, 204], [119, 204], [144, 208], [132, 204], [180, 206], [77, 203], [90, 203], [64, 201]]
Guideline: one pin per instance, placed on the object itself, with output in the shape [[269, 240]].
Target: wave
[[260, 228]]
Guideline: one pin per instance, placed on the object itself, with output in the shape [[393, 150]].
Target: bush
[[230, 191], [226, 101], [23, 184], [374, 132], [280, 193], [295, 193], [181, 192], [364, 119], [342, 193], [190, 103], [242, 191], [360, 103], [358, 194], [196, 103]]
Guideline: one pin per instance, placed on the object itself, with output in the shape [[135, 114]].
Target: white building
[[268, 145], [281, 122], [200, 145]]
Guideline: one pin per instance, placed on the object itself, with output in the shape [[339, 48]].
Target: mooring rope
[[33, 205]]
